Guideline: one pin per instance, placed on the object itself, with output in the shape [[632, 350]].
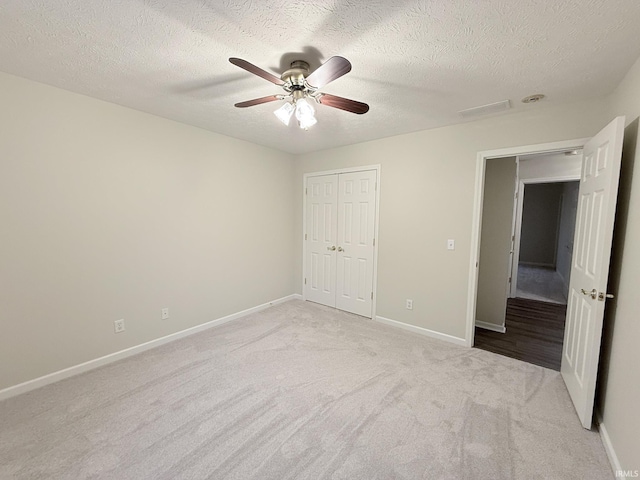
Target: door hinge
[[509, 279], [513, 238], [305, 236], [305, 281], [376, 186], [306, 192], [374, 242], [371, 295]]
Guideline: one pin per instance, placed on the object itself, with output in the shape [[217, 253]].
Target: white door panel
[[340, 231], [322, 205], [590, 266], [356, 217]]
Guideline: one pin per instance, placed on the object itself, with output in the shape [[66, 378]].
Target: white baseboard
[[113, 357], [491, 326], [422, 331], [608, 446]]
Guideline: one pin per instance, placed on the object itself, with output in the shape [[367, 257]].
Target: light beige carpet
[[540, 283], [301, 391]]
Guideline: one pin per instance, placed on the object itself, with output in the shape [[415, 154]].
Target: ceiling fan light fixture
[[300, 85], [285, 112], [305, 114]]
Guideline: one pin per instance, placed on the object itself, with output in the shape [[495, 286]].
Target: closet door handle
[[332, 248], [340, 249]]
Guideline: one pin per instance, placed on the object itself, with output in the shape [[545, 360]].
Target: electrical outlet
[[409, 304], [165, 313], [451, 244], [118, 325]]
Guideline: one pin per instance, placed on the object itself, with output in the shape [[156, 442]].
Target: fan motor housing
[[296, 74]]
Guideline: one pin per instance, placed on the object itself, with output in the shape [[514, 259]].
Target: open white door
[[590, 266]]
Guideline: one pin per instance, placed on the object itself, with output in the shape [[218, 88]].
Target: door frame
[[476, 219], [517, 226], [514, 251], [377, 168]]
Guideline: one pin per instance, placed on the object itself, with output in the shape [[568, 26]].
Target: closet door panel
[[321, 235], [355, 241]]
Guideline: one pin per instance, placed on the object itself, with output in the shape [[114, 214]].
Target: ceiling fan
[[301, 85]]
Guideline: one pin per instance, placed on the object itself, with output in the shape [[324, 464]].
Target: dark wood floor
[[535, 331]]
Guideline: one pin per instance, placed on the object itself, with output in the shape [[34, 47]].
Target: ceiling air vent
[[486, 109]]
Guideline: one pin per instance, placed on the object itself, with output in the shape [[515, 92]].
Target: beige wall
[[427, 190], [619, 383], [110, 213], [495, 240]]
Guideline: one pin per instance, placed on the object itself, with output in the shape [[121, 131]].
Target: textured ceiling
[[416, 63]]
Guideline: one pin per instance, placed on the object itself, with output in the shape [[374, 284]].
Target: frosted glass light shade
[[305, 114], [285, 112]]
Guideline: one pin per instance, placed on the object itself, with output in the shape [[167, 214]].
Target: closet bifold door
[[355, 241], [321, 237], [340, 231]]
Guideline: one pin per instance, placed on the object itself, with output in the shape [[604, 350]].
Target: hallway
[[535, 332], [540, 283]]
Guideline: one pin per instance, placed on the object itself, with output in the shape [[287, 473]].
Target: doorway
[[542, 268], [528, 221], [599, 177]]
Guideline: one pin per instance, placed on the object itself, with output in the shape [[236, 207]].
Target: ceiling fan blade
[[343, 104], [258, 101], [333, 68], [251, 68]]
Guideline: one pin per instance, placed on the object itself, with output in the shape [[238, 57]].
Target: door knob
[[340, 249], [593, 293], [332, 248]]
